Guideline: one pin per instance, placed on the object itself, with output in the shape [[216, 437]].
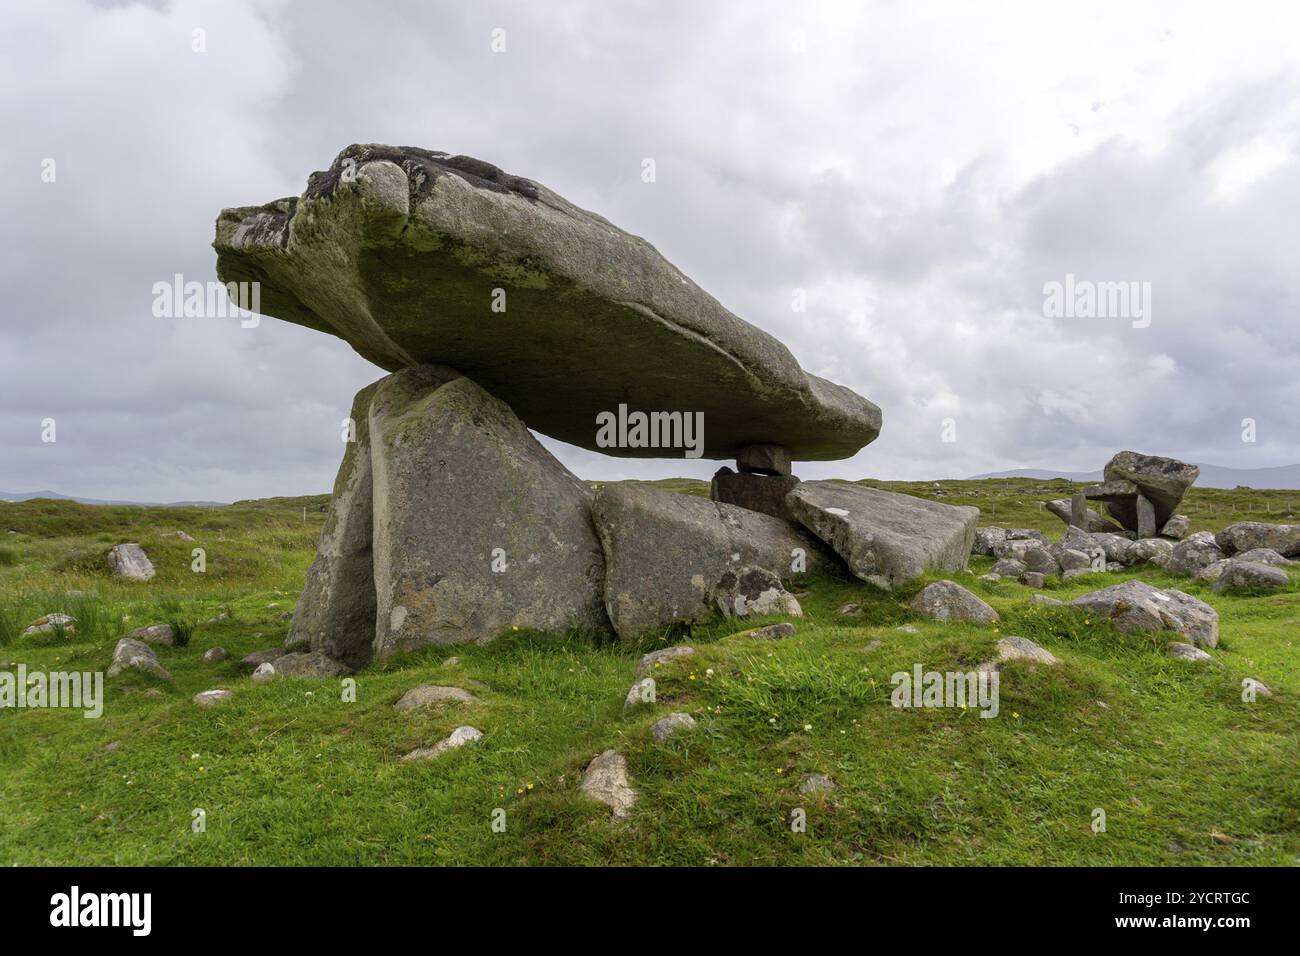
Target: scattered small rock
[[155, 634], [451, 662], [845, 609], [773, 631], [256, 659], [872, 645], [660, 657], [130, 654], [667, 726], [1188, 652], [606, 780], [312, 664], [210, 698], [50, 623], [816, 783], [427, 694], [1016, 648], [263, 673], [214, 655], [1008, 568], [908, 629], [949, 601], [1042, 600], [642, 692], [1258, 686], [458, 738], [1033, 579]]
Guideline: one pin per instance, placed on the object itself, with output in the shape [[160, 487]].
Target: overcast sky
[[922, 170]]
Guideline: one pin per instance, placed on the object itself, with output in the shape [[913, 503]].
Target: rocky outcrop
[[885, 538], [415, 257]]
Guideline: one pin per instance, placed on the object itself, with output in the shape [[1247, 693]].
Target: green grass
[[290, 773]]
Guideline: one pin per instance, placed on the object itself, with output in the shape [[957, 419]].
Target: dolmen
[[499, 309], [1140, 493]]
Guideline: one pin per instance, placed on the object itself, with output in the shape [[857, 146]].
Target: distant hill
[[1283, 477], [29, 495]]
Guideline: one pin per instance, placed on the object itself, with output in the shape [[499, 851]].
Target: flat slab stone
[[885, 538], [401, 251], [668, 556]]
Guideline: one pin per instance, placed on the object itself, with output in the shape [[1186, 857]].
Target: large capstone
[[885, 538], [478, 529], [671, 558], [419, 257], [336, 613]]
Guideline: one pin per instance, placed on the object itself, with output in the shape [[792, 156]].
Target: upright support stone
[[336, 612], [1146, 517], [1079, 511], [478, 529], [762, 493]]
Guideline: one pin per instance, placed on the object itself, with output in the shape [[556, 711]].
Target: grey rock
[[753, 592], [606, 780], [844, 610], [1026, 534], [762, 493], [1249, 576], [1146, 517], [1008, 568], [1189, 652], [210, 698], [773, 632], [667, 553], [398, 251], [1070, 558], [312, 664], [155, 634], [873, 644], [1154, 550], [1193, 553], [1041, 560], [50, 623], [129, 562], [764, 459], [1249, 535], [1033, 579], [1256, 687], [130, 654], [816, 783], [986, 539], [1176, 527], [1264, 556], [642, 692], [1162, 481], [992, 578], [948, 601], [256, 659], [214, 655], [453, 741], [908, 629], [1135, 606], [665, 655], [1072, 573], [427, 694], [1095, 522], [478, 528], [664, 728], [1016, 648], [885, 538], [264, 673], [1042, 600], [1211, 572], [1109, 546]]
